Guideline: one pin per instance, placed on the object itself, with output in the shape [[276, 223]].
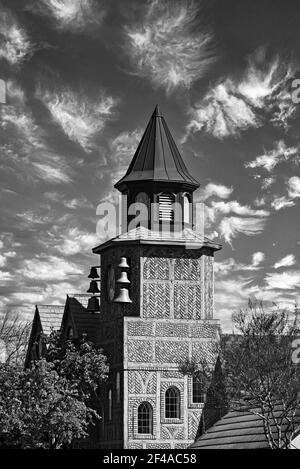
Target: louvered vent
[[166, 209]]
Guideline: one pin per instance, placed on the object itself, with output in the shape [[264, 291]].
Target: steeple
[[157, 159]]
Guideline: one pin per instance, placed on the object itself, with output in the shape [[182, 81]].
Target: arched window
[[145, 418], [186, 209], [118, 388], [172, 403], [110, 405], [70, 333], [198, 395], [166, 208]]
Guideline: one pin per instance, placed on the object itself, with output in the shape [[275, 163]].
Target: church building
[[156, 303]]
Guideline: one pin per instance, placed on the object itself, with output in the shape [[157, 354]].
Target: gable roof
[[50, 317], [237, 430], [84, 322], [157, 158]]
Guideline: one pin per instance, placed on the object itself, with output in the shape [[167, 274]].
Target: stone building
[[157, 303]]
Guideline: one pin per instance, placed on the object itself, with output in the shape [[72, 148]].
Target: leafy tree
[[260, 375], [55, 400]]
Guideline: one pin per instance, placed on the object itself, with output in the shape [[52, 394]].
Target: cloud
[[73, 15], [272, 158], [80, 117], [282, 202], [76, 241], [283, 281], [294, 187], [218, 190], [168, 47], [230, 227], [48, 268], [235, 104], [258, 258], [122, 149], [51, 173], [287, 261], [15, 46], [230, 265], [235, 207]]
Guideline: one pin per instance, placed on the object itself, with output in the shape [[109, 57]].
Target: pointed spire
[[157, 158]]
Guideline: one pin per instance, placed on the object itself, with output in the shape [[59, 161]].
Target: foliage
[[261, 376], [54, 401], [14, 335]]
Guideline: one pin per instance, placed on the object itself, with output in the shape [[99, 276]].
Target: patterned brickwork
[[187, 269], [169, 432], [156, 300], [207, 331], [170, 352], [171, 330], [193, 424], [208, 282], [187, 301], [140, 329], [140, 351], [156, 268]]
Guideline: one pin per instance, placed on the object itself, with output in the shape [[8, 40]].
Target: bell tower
[[157, 301]]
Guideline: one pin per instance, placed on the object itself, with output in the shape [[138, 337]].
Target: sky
[[83, 77]]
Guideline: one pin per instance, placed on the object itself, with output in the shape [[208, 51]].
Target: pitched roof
[[157, 158], [50, 317], [84, 321], [236, 430], [142, 235]]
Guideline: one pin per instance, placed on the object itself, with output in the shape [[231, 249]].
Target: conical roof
[[157, 158]]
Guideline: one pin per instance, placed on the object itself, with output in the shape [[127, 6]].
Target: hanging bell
[[123, 296], [93, 305], [123, 278], [93, 287], [123, 263], [93, 273]]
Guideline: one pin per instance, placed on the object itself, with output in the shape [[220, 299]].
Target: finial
[[157, 112]]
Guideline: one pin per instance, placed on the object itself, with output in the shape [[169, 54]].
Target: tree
[[260, 375], [14, 335], [55, 400]]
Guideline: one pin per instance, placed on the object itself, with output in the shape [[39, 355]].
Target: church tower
[[157, 300]]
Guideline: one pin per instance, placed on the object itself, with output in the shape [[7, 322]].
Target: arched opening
[[166, 207], [145, 418], [198, 395], [110, 405], [118, 387], [172, 403], [187, 215]]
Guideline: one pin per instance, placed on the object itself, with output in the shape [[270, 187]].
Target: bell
[[123, 278], [123, 296], [123, 263], [93, 273], [93, 305], [93, 287]]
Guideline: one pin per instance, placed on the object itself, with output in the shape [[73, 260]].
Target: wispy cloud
[[80, 117], [283, 281], [72, 15], [52, 173], [293, 193], [287, 261], [230, 265], [169, 48], [235, 104], [230, 227], [218, 190], [49, 268], [15, 45], [270, 159]]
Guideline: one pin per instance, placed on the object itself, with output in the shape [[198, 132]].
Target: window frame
[[170, 413], [149, 424]]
